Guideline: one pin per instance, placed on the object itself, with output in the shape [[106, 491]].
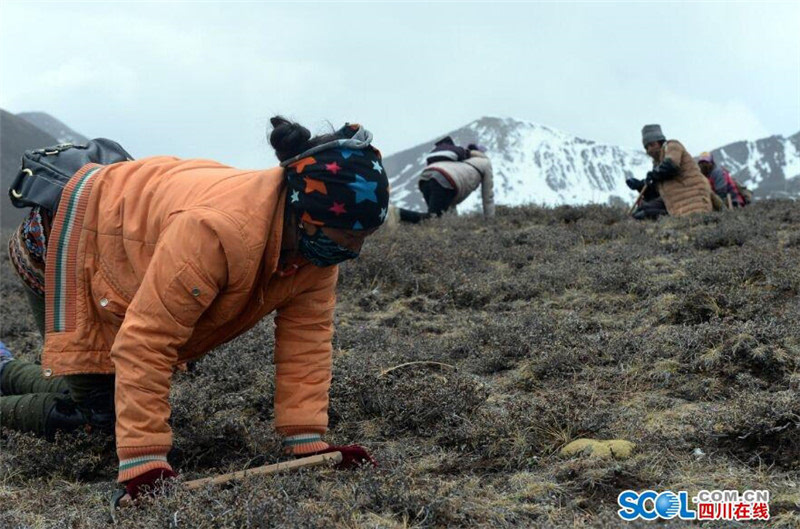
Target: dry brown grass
[[561, 323]]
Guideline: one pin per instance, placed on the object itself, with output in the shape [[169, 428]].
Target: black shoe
[[64, 416], [101, 420]]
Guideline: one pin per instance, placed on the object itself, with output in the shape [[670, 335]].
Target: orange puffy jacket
[[157, 261]]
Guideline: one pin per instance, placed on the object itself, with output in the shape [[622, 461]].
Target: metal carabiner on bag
[[16, 194]]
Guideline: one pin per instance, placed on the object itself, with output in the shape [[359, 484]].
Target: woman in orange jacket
[[155, 262]]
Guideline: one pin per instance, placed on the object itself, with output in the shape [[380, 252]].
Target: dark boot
[[414, 217], [42, 414], [64, 417], [100, 420], [94, 395], [650, 210]]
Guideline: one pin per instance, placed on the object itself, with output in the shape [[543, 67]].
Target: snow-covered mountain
[[536, 164], [770, 166], [532, 164]]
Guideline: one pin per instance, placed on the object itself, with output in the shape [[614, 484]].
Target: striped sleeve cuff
[[135, 461], [301, 444]]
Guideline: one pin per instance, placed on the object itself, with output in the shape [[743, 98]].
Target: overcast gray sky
[[201, 79]]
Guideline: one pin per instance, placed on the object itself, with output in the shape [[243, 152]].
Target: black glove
[[634, 183], [652, 179], [666, 170]]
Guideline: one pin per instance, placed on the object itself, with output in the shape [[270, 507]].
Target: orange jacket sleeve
[[303, 334], [188, 269]]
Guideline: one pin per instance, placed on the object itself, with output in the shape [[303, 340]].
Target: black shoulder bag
[[45, 172]]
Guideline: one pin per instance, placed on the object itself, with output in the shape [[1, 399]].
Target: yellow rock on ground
[[611, 448]]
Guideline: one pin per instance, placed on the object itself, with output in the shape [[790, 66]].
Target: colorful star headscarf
[[340, 184]]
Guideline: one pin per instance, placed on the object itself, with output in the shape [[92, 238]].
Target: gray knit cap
[[652, 133]]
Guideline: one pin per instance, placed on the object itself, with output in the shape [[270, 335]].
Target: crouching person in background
[[675, 175], [154, 262], [451, 175], [721, 181]]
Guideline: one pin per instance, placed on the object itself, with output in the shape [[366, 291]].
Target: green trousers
[[27, 399]]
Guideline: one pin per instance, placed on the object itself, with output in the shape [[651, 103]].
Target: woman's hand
[[353, 456], [147, 484]]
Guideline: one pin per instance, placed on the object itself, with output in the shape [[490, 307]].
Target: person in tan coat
[[675, 174], [155, 262]]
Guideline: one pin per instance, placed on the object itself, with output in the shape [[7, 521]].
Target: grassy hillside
[[680, 336]]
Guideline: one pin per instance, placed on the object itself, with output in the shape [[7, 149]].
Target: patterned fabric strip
[[30, 269], [301, 439], [126, 464], [35, 232], [304, 444], [135, 461], [60, 276]]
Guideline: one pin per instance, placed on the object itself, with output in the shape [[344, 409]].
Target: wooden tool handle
[[321, 459], [638, 199]]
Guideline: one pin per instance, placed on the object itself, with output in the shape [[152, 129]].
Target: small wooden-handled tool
[[638, 199], [121, 499], [311, 461]]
